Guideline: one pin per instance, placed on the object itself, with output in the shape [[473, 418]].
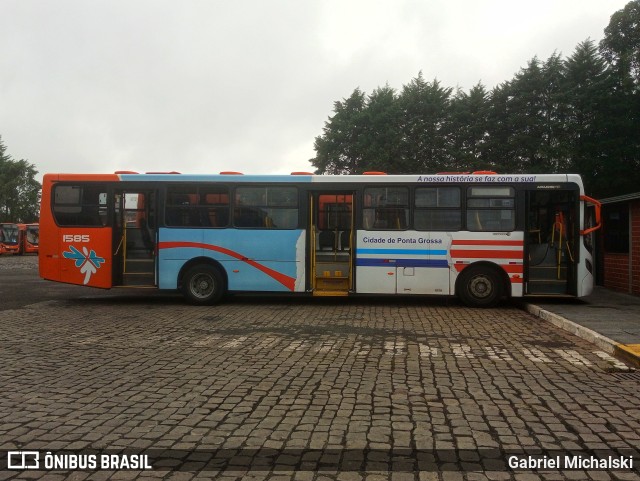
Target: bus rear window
[[80, 205]]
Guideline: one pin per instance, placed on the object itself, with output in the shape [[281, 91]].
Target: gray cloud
[[204, 86]]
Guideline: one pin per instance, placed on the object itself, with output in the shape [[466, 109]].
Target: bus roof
[[310, 178]]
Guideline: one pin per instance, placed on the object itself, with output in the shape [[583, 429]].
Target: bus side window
[[80, 205], [386, 208], [491, 209]]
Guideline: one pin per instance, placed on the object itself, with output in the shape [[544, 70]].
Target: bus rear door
[[135, 238]]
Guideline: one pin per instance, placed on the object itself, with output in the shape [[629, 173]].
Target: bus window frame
[[514, 208], [234, 206], [363, 208], [163, 202], [104, 220], [460, 209]]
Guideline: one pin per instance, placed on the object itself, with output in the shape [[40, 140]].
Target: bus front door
[[134, 239], [551, 242], [331, 244]]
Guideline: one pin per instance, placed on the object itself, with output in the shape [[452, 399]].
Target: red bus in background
[[9, 238], [30, 238], [19, 238]]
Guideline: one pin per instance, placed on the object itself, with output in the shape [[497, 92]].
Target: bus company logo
[[87, 261], [23, 460]]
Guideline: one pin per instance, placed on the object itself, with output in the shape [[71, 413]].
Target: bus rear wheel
[[480, 287], [202, 285]]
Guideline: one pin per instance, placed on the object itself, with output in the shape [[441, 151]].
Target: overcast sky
[[204, 86]]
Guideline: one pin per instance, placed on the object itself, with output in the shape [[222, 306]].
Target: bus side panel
[[253, 260], [403, 262], [85, 256], [502, 249], [49, 256]]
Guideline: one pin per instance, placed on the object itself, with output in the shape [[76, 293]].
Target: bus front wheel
[[202, 284], [480, 287]]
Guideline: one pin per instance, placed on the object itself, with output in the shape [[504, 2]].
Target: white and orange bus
[[481, 236]]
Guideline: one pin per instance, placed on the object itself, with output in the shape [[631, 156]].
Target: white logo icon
[[23, 460]]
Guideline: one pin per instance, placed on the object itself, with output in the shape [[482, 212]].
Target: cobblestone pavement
[[263, 388]]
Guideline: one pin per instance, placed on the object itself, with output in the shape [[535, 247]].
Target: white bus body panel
[[410, 262]]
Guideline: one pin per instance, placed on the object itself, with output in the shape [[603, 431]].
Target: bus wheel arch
[[202, 281], [482, 284]]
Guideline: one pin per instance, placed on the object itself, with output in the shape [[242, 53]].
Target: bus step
[[139, 266], [332, 283], [138, 279], [330, 293], [547, 286], [547, 273]]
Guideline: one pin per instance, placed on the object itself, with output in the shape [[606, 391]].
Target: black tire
[[202, 285], [480, 287]]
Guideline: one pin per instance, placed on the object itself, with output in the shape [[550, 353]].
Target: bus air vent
[[172, 172], [374, 172], [230, 172], [485, 172]]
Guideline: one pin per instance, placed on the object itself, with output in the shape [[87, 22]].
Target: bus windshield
[[9, 234]]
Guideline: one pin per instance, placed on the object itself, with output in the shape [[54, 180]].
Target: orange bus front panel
[[85, 256]]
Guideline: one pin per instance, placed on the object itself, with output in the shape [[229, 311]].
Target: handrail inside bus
[[598, 208]]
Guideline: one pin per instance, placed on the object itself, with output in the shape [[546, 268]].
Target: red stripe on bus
[[485, 254], [288, 282], [511, 269], [488, 242]]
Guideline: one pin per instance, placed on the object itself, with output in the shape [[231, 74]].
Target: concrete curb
[[582, 332], [630, 354]]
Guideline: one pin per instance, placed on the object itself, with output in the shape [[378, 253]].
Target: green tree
[[19, 191], [468, 130], [620, 47], [425, 124], [382, 139], [587, 91], [621, 44], [499, 147], [339, 150]]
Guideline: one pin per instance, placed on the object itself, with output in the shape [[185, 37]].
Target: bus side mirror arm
[[597, 205]]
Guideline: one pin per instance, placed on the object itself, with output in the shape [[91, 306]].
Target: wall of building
[[616, 265]]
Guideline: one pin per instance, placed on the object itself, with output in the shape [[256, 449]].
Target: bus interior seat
[[327, 238], [147, 236], [345, 237]]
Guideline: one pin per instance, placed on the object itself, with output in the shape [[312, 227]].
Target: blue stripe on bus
[[401, 263], [403, 251], [266, 179]]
